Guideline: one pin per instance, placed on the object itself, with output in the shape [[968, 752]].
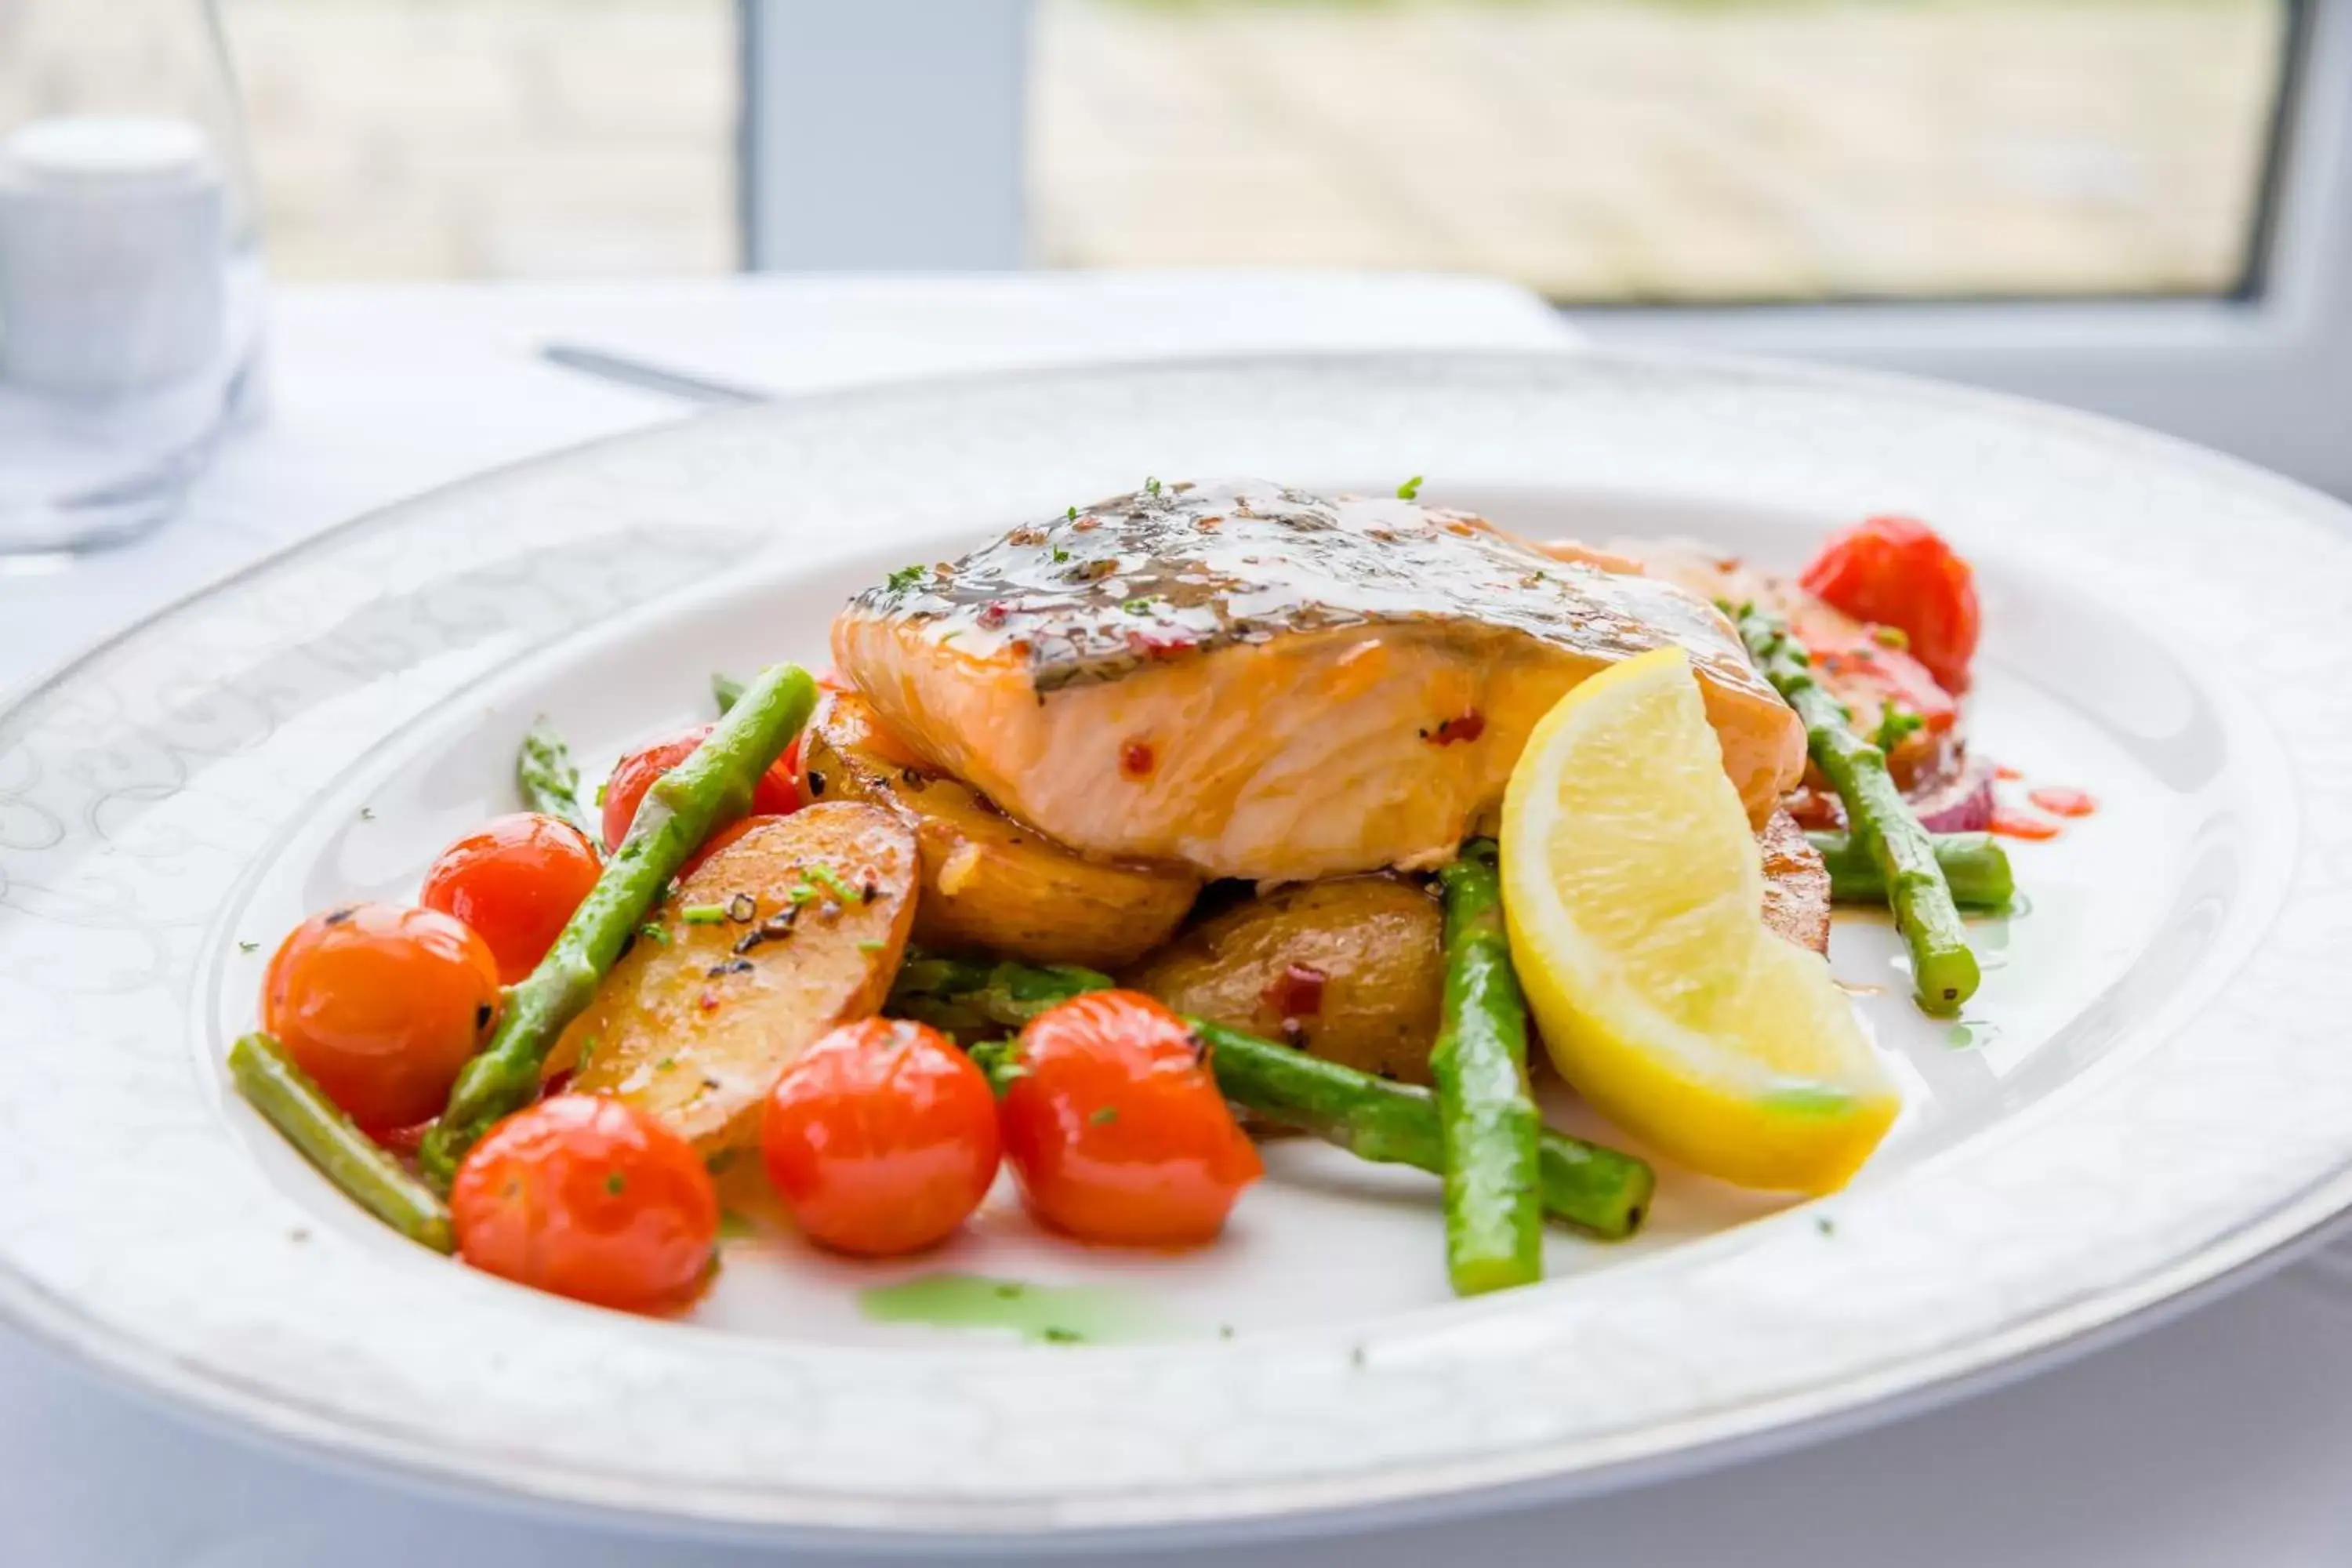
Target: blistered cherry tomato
[[516, 881], [1114, 1127], [1898, 571], [590, 1198], [777, 793], [382, 1006], [881, 1139]]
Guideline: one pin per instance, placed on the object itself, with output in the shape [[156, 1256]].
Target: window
[[1665, 151], [491, 138]]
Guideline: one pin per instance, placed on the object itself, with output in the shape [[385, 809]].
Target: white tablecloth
[[2222, 1439]]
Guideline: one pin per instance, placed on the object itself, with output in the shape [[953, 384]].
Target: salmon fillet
[[1252, 681]]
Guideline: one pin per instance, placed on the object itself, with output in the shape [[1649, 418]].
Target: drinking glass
[[131, 282]]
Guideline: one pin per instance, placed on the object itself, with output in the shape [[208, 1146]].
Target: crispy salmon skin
[[1252, 681]]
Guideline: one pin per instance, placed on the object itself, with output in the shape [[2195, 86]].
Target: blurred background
[[1601, 152]]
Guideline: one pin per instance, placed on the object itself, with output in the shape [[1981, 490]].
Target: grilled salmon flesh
[[1250, 682]]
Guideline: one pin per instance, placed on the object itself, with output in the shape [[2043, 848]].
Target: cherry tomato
[[1114, 1127], [516, 881], [881, 1139], [1898, 571], [590, 1198], [382, 1006], [778, 792]]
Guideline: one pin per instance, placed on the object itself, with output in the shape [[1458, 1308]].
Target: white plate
[[2151, 1091]]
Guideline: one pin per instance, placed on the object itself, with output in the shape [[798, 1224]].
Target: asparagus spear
[[547, 780], [1943, 971], [726, 690], [712, 785], [1486, 1121], [969, 998], [1599, 1189], [1975, 867], [267, 1077]]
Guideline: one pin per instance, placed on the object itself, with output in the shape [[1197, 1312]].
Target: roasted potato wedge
[[1796, 885], [987, 881], [1350, 969], [695, 1024]]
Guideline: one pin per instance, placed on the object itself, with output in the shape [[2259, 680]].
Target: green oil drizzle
[[1047, 1314], [1971, 1033], [1799, 1097]]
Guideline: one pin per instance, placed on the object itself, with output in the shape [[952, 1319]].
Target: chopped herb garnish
[[1137, 607], [587, 1054], [1894, 724], [825, 876], [248, 947], [1410, 489], [1055, 1334], [600, 794], [733, 1226], [1071, 515], [870, 945], [1825, 1225], [703, 914], [904, 577], [1152, 487], [1104, 1115], [1060, 555], [1890, 637], [367, 813], [652, 932], [665, 1064], [614, 1183]]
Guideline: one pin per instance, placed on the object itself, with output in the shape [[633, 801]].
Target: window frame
[[883, 135], [935, 90]]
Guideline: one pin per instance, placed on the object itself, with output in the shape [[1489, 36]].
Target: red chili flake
[[2060, 801], [1151, 645], [2007, 774], [2022, 825], [991, 614], [1297, 992], [1135, 761], [1468, 727], [708, 1000]]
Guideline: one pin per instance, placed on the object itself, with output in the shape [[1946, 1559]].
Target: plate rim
[[1300, 1504]]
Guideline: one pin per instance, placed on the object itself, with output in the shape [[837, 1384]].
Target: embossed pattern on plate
[[146, 792]]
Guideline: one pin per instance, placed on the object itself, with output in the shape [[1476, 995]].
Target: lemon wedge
[[1634, 890]]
